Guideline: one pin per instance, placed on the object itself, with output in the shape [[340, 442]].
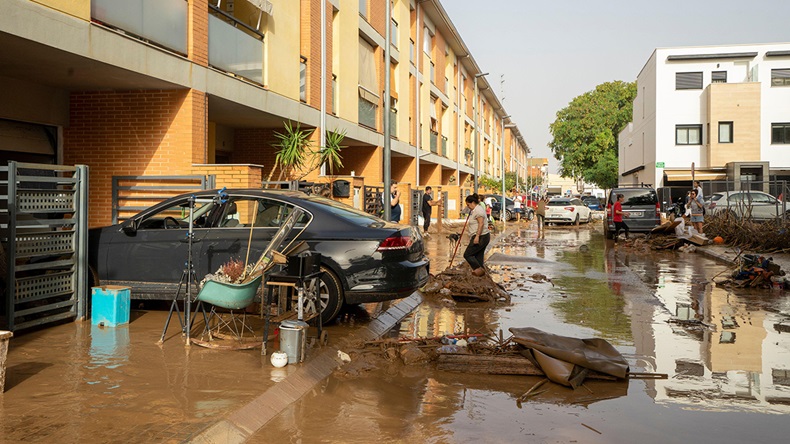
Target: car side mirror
[[129, 228]]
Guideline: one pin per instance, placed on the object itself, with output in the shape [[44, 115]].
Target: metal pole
[[322, 140], [418, 118], [503, 208], [477, 154], [387, 148]]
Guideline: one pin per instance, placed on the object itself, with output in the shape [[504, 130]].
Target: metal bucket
[[293, 335]]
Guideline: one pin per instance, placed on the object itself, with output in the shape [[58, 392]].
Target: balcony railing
[[394, 123], [162, 22], [444, 146], [434, 141], [234, 50]]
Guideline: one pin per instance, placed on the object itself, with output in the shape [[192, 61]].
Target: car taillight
[[571, 209], [658, 210], [395, 243]]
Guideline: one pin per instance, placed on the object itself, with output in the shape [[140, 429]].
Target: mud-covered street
[[722, 351]]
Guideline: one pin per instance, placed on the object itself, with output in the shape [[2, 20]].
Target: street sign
[[659, 164]]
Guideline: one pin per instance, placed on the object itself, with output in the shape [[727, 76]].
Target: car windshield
[[346, 212], [638, 196], [559, 203]]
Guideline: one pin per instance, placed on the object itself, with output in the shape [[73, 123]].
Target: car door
[[244, 220], [763, 206], [155, 249]]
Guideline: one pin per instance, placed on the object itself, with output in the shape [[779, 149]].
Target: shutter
[[688, 80], [719, 77], [780, 77], [367, 69]]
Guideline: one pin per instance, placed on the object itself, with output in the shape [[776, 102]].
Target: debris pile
[[458, 283], [771, 236], [755, 271]]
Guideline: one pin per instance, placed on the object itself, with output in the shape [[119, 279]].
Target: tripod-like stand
[[188, 278]]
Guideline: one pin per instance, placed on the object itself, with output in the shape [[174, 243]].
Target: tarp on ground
[[565, 360]]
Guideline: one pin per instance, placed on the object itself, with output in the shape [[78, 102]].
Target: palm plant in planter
[[329, 155], [293, 150]]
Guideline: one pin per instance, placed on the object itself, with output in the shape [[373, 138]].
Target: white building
[[722, 110]]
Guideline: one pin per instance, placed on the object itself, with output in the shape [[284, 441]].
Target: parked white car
[[565, 210], [754, 204]]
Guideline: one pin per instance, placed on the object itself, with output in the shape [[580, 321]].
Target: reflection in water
[[109, 347]]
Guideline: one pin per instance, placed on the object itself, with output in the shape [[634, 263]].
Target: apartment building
[[721, 111], [134, 88]]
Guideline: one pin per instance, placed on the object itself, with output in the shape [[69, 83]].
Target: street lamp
[[477, 131], [503, 208]]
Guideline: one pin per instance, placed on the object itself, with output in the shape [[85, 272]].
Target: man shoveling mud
[[480, 236]]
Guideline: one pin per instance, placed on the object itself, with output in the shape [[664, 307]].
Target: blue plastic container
[[110, 305]]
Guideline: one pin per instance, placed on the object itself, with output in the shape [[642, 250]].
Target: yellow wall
[[77, 8], [346, 31], [281, 47], [738, 103]]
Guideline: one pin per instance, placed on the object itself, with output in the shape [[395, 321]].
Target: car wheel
[[508, 215], [330, 293], [530, 215]]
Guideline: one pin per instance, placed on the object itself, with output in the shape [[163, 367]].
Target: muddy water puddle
[[727, 365]]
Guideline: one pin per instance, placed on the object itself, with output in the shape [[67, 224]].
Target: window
[[411, 51], [432, 73], [725, 132], [780, 133], [368, 84], [363, 8], [688, 135], [688, 80], [394, 34], [719, 77], [303, 78], [427, 42], [780, 77]]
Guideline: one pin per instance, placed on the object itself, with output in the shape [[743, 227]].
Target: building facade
[[201, 87], [721, 112]]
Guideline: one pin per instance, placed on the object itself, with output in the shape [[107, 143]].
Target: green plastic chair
[[230, 297]]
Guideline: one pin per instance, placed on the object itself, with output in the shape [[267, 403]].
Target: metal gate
[[132, 194], [373, 200], [43, 228], [416, 206]]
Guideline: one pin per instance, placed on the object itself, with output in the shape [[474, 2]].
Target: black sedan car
[[364, 258]]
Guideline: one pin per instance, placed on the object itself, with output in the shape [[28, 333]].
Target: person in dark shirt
[[427, 203]]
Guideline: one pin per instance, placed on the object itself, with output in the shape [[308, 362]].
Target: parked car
[[592, 203], [364, 258], [567, 210], [642, 206], [756, 205], [510, 211]]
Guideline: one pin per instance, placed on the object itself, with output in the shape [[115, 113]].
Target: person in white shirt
[[480, 236], [517, 206]]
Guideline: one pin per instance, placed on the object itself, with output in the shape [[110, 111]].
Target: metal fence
[[132, 194], [750, 199], [43, 229]]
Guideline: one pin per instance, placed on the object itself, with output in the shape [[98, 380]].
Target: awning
[[685, 175]]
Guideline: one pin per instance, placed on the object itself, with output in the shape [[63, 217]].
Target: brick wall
[[310, 47], [132, 133], [198, 32]]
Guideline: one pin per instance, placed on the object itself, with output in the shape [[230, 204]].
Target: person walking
[[517, 205], [395, 212], [480, 236], [427, 204], [617, 217], [540, 211], [697, 207]]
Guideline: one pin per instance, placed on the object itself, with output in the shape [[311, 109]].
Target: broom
[[460, 238]]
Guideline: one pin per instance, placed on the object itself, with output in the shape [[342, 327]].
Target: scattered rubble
[[755, 272], [459, 283], [771, 236]]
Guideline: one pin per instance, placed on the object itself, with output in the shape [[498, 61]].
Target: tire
[[589, 217], [331, 295], [508, 215], [530, 215]]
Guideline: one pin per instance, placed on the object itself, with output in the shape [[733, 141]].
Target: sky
[[551, 51]]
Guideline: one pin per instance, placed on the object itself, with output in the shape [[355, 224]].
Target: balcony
[[444, 146], [163, 22], [234, 46], [393, 123], [434, 141]]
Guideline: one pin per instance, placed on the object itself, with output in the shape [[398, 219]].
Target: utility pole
[[477, 134], [386, 109]]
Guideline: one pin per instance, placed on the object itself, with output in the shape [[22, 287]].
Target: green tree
[[585, 132]]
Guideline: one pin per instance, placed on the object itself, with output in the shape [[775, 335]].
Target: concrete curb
[[241, 424], [715, 255]]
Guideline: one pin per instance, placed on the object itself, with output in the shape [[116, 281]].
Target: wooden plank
[[497, 365]]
